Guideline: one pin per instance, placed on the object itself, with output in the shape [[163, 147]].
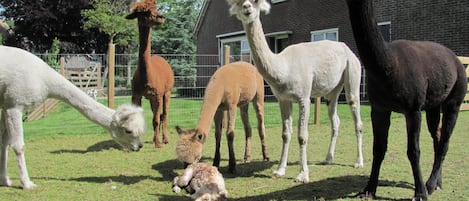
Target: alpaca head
[[127, 125], [6, 28], [248, 10], [146, 13], [189, 146]]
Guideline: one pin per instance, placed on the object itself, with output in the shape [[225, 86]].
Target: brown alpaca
[[231, 86], [202, 182], [153, 78]]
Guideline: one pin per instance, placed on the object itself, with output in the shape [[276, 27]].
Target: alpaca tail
[[353, 74]]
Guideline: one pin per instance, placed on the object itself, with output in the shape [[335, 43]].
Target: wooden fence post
[[317, 110], [227, 54], [111, 73], [62, 65]]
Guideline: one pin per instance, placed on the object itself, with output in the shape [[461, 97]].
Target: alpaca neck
[[262, 55], [212, 100], [144, 52], [370, 43], [65, 91]]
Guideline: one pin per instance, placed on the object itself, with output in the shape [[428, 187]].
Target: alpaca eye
[[128, 131]]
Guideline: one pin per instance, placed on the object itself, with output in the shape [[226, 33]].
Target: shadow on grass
[[124, 179], [335, 188], [168, 169], [100, 146]]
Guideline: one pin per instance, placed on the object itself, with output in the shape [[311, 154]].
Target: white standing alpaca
[[299, 72], [26, 80]]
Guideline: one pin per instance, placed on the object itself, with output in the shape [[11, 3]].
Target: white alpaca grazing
[[299, 72], [26, 80]]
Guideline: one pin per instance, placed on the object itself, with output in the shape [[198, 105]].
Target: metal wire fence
[[192, 73]]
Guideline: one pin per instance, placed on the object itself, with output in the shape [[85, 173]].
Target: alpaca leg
[[335, 123], [355, 108], [155, 107], [354, 104], [164, 116], [14, 127], [352, 82], [450, 115], [413, 121], [381, 120], [4, 180], [304, 108], [218, 120], [259, 108], [247, 131], [230, 137], [286, 112], [433, 120]]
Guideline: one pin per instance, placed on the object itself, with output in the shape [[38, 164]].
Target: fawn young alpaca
[[231, 86]]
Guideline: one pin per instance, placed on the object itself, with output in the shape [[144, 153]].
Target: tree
[[108, 16], [175, 37], [42, 21]]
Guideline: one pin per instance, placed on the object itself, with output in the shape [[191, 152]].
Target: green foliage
[[175, 35], [109, 17], [52, 57]]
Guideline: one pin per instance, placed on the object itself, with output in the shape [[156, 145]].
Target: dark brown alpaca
[[408, 77], [153, 78]]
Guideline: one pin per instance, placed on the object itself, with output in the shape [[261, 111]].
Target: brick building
[[295, 21]]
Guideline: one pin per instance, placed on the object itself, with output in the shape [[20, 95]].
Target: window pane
[[331, 36], [318, 37]]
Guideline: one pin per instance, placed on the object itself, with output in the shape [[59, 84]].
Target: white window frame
[[277, 1], [241, 39], [325, 31]]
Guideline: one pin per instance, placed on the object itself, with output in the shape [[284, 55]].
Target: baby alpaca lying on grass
[[202, 182]]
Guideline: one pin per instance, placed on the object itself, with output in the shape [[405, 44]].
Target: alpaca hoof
[[247, 160], [279, 172], [365, 195], [358, 165], [5, 182], [158, 145], [29, 185], [165, 141], [302, 178], [419, 199], [266, 159], [433, 187]]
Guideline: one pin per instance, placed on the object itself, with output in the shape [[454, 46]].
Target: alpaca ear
[[179, 130], [264, 6], [199, 137], [132, 15]]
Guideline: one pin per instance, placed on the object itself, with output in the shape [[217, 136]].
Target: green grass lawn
[[69, 158]]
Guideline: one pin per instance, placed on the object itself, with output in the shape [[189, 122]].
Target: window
[[326, 34], [385, 28], [239, 49]]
